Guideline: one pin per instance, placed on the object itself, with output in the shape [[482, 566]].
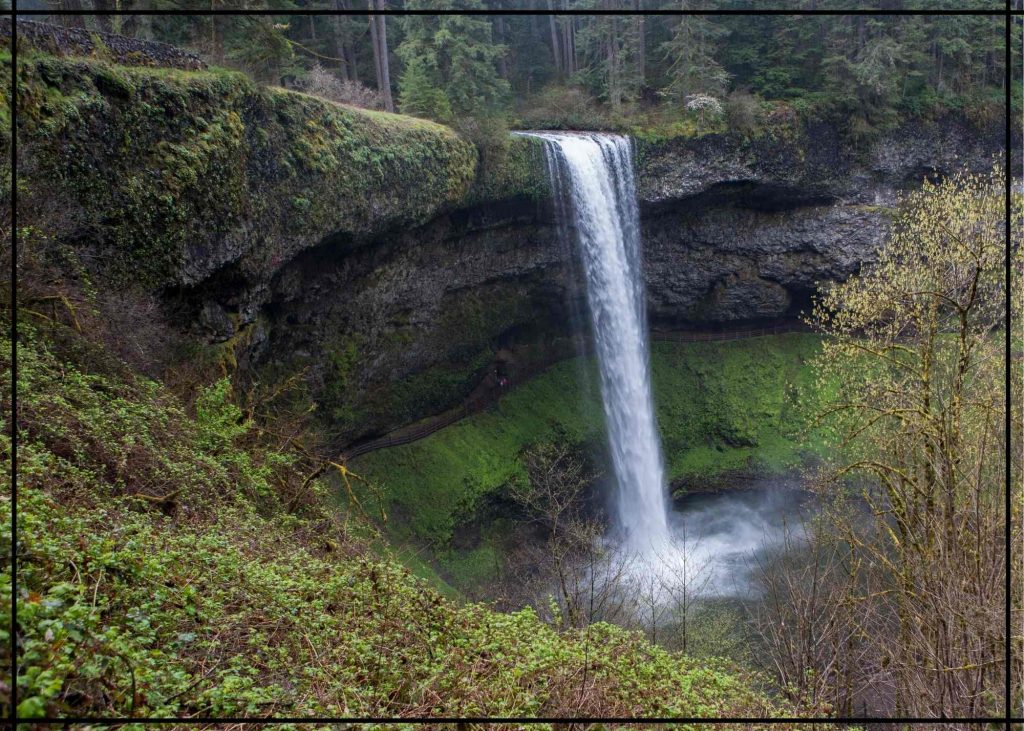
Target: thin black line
[[517, 720], [994, 12], [13, 372], [1007, 173]]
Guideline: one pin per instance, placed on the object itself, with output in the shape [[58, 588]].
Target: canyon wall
[[390, 260]]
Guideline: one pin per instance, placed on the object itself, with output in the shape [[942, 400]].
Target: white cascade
[[592, 176]]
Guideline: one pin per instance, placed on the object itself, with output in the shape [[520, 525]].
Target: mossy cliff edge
[[174, 175]]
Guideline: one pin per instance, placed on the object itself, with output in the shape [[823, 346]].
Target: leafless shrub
[[743, 112], [573, 576], [563, 107], [674, 590], [322, 83], [824, 659], [897, 606]]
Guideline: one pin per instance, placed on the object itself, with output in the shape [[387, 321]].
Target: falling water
[[592, 176]]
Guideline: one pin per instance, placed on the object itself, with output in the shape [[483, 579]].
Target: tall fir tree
[[457, 55]]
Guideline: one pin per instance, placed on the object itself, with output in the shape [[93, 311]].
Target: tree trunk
[[379, 37], [340, 45], [133, 26], [641, 46], [503, 58], [572, 44], [375, 44], [216, 39], [385, 65], [569, 46], [72, 21], [347, 49], [556, 50], [103, 22], [352, 60], [614, 82]]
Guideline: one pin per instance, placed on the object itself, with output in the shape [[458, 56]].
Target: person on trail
[[501, 364]]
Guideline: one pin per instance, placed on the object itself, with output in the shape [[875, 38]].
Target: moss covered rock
[[172, 174]]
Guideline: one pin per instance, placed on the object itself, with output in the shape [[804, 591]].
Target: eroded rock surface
[[733, 233]]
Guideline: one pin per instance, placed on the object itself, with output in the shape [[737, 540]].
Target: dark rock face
[[408, 325], [799, 167], [738, 231], [728, 264]]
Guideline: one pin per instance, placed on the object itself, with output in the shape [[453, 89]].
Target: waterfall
[[592, 177]]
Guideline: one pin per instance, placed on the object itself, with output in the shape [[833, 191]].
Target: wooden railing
[[478, 403]]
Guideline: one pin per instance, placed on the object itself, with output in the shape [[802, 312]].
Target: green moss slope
[[218, 601], [720, 407], [742, 405]]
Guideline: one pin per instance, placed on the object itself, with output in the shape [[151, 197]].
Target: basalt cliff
[[388, 258]]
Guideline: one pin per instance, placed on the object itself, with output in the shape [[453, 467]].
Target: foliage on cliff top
[[176, 173], [720, 407], [511, 166], [585, 70], [160, 574]]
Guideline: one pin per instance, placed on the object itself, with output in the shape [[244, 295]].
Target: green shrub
[[744, 113]]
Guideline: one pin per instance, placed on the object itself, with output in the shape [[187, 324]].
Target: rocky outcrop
[[795, 165], [746, 229], [721, 264], [81, 42], [390, 263]]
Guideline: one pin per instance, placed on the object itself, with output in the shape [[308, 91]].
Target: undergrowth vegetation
[[162, 573]]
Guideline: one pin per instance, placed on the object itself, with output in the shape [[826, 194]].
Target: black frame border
[[1013, 17]]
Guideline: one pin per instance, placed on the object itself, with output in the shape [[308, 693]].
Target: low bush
[[744, 113], [559, 106], [322, 83]]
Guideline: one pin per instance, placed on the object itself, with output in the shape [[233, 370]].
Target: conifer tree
[[458, 56], [418, 94]]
